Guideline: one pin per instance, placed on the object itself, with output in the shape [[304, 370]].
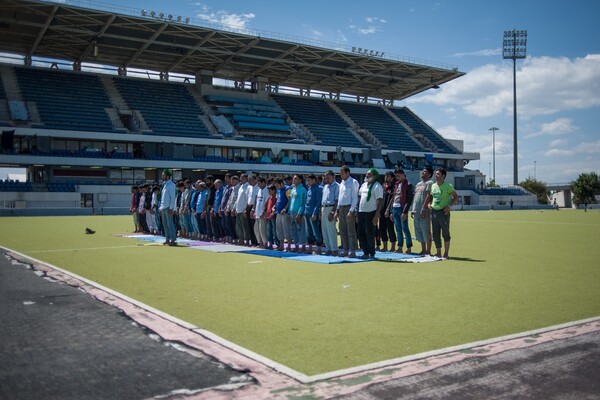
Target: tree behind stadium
[[585, 188], [536, 187]]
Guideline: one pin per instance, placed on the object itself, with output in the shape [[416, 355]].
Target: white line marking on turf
[[402, 360], [487, 221], [80, 249]]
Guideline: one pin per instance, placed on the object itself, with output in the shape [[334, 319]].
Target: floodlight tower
[[514, 46], [494, 129]]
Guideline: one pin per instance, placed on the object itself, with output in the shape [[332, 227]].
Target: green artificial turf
[[511, 271]]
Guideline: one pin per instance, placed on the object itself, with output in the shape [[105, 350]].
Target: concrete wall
[[19, 200], [107, 195]]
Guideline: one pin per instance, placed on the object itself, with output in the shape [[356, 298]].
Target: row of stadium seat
[[322, 121], [62, 187], [381, 125], [66, 100], [167, 108], [420, 127], [78, 101], [15, 186]]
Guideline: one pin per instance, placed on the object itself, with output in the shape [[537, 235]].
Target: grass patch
[[510, 272]]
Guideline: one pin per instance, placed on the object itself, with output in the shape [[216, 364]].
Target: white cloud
[[588, 148], [559, 153], [480, 53], [367, 31], [238, 21], [557, 127], [545, 86], [581, 149], [558, 143], [341, 37], [373, 26], [372, 20], [480, 142]]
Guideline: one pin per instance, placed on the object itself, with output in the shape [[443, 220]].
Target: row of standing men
[[295, 214]]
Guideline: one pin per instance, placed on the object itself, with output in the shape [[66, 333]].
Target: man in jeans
[[400, 207]]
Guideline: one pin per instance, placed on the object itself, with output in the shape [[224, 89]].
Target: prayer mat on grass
[[151, 240]]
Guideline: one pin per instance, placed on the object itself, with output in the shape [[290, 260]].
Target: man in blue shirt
[[167, 206], [296, 209], [312, 211], [282, 220], [214, 213]]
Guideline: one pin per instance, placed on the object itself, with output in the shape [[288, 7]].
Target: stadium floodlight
[[514, 46], [494, 129]]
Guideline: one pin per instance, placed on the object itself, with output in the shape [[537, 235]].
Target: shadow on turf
[[451, 258], [465, 259]]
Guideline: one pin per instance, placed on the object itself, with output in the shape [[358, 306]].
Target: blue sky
[[558, 84]]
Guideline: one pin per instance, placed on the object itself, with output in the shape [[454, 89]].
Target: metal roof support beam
[[190, 51], [42, 32], [94, 43], [145, 45]]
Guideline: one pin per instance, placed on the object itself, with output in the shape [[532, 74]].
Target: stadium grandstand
[[93, 100]]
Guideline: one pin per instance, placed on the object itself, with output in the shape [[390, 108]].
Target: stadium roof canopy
[[160, 42]]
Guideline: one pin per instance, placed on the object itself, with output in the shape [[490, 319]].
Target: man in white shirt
[[369, 209], [259, 212], [230, 209], [331, 192], [251, 192], [346, 211], [241, 227]]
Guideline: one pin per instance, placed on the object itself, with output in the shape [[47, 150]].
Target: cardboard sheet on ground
[[150, 240]]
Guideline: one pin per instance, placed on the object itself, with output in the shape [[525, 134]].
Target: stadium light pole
[[514, 46], [494, 129]]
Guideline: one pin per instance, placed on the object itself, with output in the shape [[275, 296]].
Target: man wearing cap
[[167, 205], [369, 209], [420, 211]]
